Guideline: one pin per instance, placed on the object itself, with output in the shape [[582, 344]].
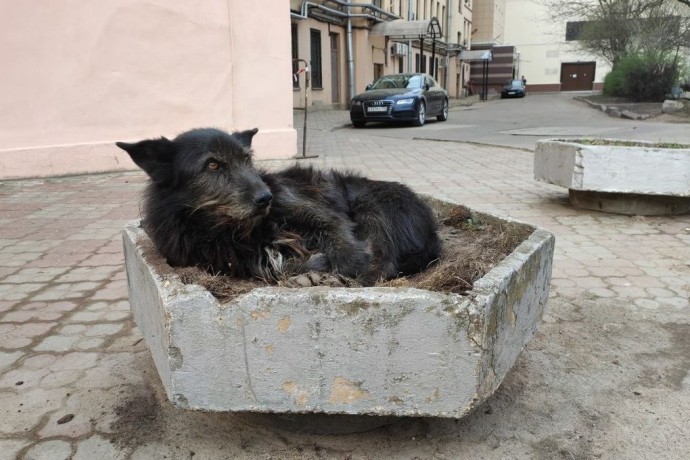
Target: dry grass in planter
[[471, 247]]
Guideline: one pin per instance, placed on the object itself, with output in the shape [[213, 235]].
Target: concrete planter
[[641, 179], [374, 351]]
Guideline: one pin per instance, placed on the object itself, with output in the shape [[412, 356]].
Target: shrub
[[647, 76], [614, 84]]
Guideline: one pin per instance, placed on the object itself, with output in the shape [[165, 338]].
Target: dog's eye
[[213, 165]]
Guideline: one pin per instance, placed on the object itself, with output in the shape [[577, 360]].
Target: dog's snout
[[263, 198]]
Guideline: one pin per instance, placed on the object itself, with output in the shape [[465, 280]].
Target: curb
[[614, 111]]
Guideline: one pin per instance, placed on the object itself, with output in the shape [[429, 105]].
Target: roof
[[408, 30], [477, 55]]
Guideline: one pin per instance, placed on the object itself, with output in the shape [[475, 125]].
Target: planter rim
[[481, 288], [642, 144]]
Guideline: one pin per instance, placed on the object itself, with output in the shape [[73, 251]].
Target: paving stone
[[8, 359], [88, 274], [9, 448], [57, 343], [22, 378], [49, 450], [6, 305], [154, 451], [76, 427], [97, 447], [24, 410], [19, 291], [102, 329]]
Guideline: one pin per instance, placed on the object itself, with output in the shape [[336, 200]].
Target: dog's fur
[[208, 206]]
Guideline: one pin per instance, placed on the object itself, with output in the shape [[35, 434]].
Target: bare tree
[[613, 29]]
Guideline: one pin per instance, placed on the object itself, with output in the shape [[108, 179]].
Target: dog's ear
[[245, 137], [153, 156]]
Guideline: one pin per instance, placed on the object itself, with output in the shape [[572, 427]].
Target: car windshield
[[398, 81], [514, 83]]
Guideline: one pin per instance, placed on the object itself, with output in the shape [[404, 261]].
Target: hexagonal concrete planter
[[376, 351], [622, 177]]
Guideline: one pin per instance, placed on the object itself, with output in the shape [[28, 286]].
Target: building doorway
[[577, 76], [378, 71], [335, 68]]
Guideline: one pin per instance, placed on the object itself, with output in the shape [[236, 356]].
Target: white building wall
[[541, 46]]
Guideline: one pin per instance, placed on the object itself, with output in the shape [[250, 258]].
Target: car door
[[434, 96]]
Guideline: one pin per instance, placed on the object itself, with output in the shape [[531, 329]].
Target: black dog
[[208, 206]]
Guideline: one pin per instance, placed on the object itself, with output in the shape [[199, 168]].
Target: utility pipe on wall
[[350, 59], [447, 58], [409, 42]]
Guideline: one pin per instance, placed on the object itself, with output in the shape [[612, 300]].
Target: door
[[378, 71], [335, 69], [577, 76], [434, 96]]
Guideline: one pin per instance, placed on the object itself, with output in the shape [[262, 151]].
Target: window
[[573, 30], [400, 64], [295, 56], [316, 81], [416, 62]]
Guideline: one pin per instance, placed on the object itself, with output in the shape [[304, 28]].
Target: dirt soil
[[472, 245]]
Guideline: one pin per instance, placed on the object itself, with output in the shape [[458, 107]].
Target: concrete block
[[671, 106], [626, 172], [378, 351], [643, 168]]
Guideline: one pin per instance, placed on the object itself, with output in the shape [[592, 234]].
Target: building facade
[[549, 59], [347, 46], [526, 41], [80, 76]]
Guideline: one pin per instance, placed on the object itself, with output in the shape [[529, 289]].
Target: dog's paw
[[311, 279], [317, 263], [353, 263]]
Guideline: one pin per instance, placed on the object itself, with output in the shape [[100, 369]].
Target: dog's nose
[[263, 198]]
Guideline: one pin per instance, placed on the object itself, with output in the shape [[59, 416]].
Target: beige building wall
[[80, 75], [541, 46], [489, 17], [371, 54]]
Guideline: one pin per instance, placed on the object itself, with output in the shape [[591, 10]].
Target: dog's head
[[208, 170]]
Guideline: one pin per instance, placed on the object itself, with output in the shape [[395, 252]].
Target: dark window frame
[[295, 56], [573, 30], [315, 63]]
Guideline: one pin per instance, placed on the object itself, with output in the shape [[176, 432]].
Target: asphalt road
[[520, 123]]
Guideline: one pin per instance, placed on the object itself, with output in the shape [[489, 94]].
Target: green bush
[[647, 76], [614, 84]]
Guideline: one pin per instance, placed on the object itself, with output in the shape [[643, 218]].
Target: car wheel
[[443, 116], [359, 124], [421, 114]]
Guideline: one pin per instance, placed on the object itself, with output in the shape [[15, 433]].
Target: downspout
[[447, 58], [409, 42], [350, 59]]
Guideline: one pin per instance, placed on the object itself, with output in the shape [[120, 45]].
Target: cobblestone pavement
[[605, 377]]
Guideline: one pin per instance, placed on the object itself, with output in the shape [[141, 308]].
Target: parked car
[[401, 97], [513, 88]]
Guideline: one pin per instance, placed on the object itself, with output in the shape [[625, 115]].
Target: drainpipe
[[409, 42], [350, 58], [449, 4]]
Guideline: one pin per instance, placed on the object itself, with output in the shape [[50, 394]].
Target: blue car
[[513, 88], [410, 97]]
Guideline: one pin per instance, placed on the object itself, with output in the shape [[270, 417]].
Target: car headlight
[[409, 100], [356, 102]]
